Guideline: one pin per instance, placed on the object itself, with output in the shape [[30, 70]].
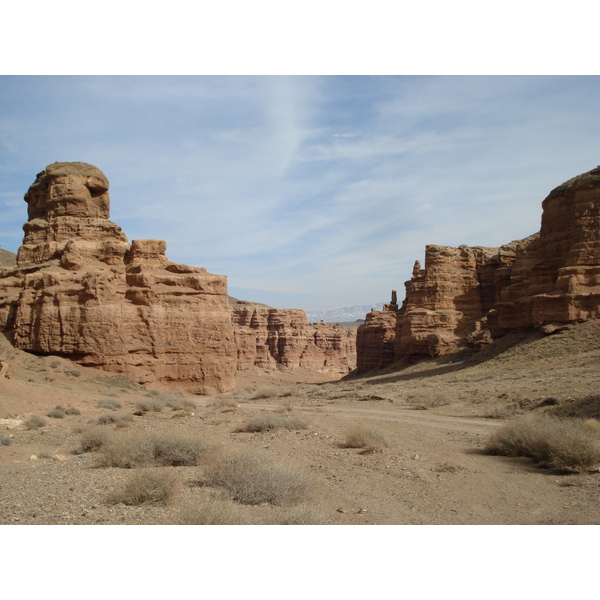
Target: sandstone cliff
[[273, 338], [82, 291], [469, 296]]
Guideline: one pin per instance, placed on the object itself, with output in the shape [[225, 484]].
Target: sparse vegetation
[[71, 410], [5, 440], [268, 391], [365, 437], [269, 421], [152, 404], [129, 450], [35, 422], [253, 478], [92, 440], [57, 413], [109, 404], [428, 399], [568, 445], [148, 486], [208, 510], [303, 514]]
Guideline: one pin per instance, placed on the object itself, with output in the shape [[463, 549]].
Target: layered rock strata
[[272, 338], [80, 290], [468, 296]]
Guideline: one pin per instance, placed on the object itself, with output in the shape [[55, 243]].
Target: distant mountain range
[[342, 314]]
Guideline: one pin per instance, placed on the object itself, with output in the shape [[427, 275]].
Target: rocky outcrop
[[273, 338], [468, 296], [80, 290]]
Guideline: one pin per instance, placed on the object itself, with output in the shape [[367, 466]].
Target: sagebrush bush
[[71, 410], [253, 478], [148, 486], [271, 421], [568, 445], [35, 422], [109, 404], [5, 440], [129, 450], [208, 511], [365, 437]]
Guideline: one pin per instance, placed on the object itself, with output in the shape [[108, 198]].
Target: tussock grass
[[147, 486], [567, 445], [270, 421], [130, 450], [253, 478], [365, 437], [35, 422]]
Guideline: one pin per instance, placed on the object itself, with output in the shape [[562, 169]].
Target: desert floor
[[430, 422]]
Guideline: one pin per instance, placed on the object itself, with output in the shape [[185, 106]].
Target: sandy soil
[[435, 417]]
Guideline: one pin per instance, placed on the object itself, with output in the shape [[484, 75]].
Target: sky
[[306, 191]]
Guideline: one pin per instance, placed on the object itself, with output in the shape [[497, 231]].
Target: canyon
[[466, 297]]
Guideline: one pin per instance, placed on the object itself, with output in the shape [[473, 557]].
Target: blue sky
[[306, 191]]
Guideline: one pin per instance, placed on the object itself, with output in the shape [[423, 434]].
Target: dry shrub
[[148, 486], [35, 422], [228, 402], [92, 440], [268, 391], [568, 445], [57, 413], [499, 411], [271, 421], [71, 410], [118, 420], [109, 404], [253, 478], [177, 402], [430, 399], [5, 440], [149, 405], [364, 436], [208, 511], [129, 450]]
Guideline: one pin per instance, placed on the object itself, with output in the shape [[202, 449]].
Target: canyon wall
[[81, 290], [273, 338], [467, 296]]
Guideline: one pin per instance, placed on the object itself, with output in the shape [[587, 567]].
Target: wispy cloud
[[323, 188]]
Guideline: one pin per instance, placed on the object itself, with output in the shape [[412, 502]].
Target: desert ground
[[420, 457]]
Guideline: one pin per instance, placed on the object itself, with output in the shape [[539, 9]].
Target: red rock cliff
[[469, 296], [81, 290], [274, 338]]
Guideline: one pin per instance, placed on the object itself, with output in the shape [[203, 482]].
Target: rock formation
[[469, 296], [80, 290], [273, 338]]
